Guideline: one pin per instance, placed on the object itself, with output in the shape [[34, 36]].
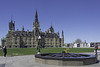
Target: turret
[[23, 28], [58, 33], [62, 34], [51, 29], [62, 39], [12, 25]]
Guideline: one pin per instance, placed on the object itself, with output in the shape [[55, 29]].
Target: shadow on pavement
[[2, 65]]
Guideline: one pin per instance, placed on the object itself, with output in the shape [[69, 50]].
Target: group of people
[[5, 50]]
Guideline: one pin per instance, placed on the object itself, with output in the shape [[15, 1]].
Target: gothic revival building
[[18, 39]]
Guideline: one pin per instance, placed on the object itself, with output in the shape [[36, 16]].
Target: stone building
[[18, 39], [3, 41]]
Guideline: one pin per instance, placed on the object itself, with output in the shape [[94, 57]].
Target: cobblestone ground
[[29, 61]]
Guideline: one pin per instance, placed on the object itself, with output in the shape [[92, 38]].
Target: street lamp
[[39, 45]]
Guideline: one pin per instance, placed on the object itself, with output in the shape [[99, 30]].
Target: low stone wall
[[66, 61]]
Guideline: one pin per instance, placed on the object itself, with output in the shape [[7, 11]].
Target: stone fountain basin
[[69, 59]]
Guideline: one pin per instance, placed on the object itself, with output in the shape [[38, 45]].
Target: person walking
[[4, 50], [96, 48]]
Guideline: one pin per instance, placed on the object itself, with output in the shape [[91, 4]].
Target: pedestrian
[[96, 48], [4, 50]]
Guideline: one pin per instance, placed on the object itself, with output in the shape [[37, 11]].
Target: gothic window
[[34, 45], [51, 39], [47, 45], [59, 45], [56, 43], [16, 46], [30, 39], [51, 45], [16, 38], [15, 42], [37, 32], [9, 46]]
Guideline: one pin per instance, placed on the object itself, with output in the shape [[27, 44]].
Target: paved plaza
[[29, 61]]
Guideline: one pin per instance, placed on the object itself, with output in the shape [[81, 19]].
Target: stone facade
[[18, 39], [3, 41]]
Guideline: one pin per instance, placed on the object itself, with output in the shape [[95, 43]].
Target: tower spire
[[62, 33], [36, 25], [36, 16]]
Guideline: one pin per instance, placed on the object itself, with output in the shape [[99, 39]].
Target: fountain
[[66, 59]]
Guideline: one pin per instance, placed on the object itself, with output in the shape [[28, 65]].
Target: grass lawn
[[32, 51]]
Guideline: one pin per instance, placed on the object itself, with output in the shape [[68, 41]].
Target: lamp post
[[39, 45]]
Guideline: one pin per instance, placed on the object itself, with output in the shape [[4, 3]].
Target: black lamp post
[[39, 45]]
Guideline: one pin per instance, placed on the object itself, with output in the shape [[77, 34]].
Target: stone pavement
[[29, 61]]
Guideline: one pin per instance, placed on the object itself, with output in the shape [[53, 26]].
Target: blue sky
[[77, 18]]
